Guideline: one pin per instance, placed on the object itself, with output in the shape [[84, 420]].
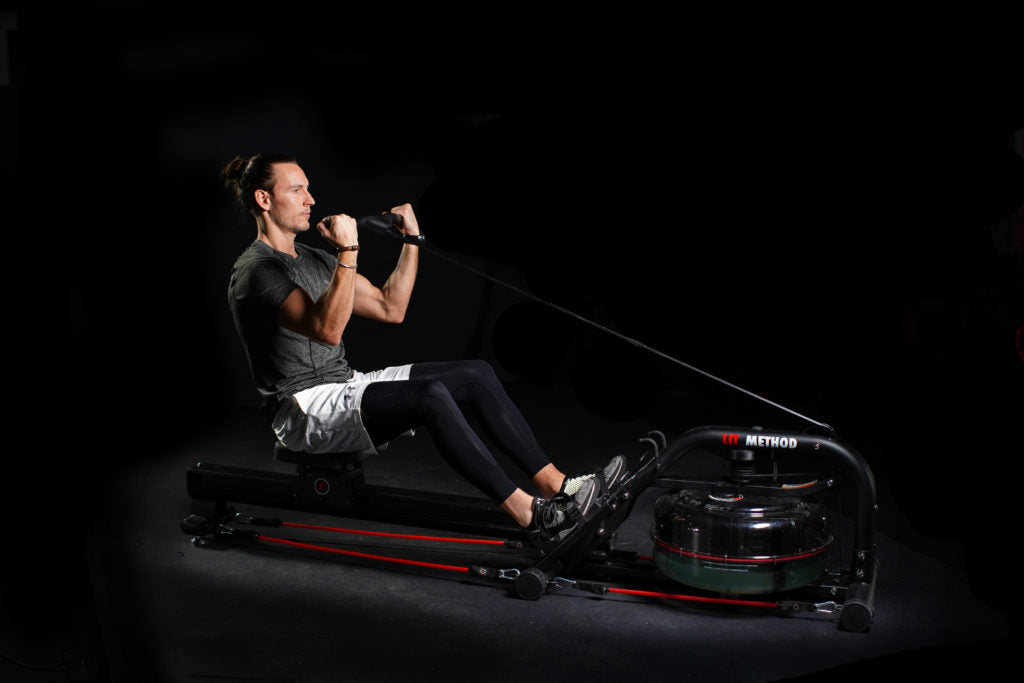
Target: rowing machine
[[750, 533]]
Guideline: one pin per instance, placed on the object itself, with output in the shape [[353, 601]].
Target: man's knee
[[433, 390], [481, 371]]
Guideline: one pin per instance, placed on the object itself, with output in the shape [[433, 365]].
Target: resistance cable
[[387, 223], [476, 570]]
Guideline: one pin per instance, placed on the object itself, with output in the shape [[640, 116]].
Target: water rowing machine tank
[[726, 541]]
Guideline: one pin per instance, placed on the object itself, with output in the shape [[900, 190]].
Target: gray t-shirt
[[282, 362]]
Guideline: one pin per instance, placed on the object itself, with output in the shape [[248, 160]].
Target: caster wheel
[[531, 584]]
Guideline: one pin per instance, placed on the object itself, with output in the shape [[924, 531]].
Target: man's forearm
[[397, 290]]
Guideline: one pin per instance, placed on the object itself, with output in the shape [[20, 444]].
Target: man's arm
[[325, 319], [389, 302]]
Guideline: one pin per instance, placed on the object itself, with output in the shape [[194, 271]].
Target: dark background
[[825, 218]]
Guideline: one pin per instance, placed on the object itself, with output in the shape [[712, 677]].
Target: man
[[291, 305]]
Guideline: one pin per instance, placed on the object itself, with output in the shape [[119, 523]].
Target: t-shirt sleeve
[[264, 284]]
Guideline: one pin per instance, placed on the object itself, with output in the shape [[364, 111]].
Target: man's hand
[[340, 230], [409, 224]]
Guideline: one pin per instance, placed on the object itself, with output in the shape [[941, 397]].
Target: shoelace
[[572, 486]]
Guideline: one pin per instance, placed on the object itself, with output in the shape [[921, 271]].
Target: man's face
[[290, 200]]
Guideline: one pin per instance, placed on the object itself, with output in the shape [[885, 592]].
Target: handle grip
[[387, 224], [382, 222]]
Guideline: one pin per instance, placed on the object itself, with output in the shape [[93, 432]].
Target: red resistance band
[[466, 570], [389, 535], [694, 598], [352, 553]]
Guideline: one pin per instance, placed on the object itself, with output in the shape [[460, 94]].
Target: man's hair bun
[[243, 175]]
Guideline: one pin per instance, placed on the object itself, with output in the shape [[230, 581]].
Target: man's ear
[[263, 199]]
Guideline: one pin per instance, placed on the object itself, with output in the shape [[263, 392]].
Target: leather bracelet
[[351, 247]]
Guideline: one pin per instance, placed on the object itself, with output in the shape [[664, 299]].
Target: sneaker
[[606, 479], [555, 518]]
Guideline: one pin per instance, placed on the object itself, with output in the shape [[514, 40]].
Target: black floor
[[149, 605]]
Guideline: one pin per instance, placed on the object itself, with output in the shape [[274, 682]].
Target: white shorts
[[327, 418]]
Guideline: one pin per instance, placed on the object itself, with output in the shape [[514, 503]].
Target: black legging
[[431, 397]]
